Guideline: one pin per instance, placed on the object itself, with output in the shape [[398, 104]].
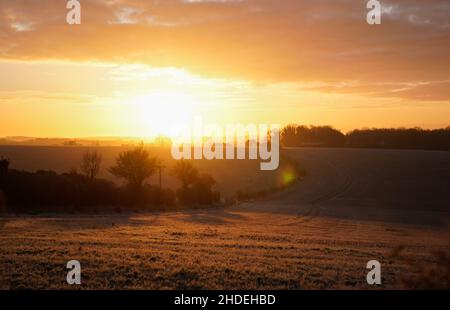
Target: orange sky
[[133, 68]]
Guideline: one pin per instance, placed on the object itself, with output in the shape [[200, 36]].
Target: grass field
[[216, 250], [354, 206]]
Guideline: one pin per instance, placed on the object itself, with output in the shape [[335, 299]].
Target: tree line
[[83, 191], [390, 138]]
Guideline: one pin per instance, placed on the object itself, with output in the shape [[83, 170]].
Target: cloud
[[322, 41], [33, 97]]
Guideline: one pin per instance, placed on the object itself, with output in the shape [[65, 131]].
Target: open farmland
[[353, 206]]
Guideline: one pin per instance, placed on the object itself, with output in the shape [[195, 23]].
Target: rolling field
[[354, 206]]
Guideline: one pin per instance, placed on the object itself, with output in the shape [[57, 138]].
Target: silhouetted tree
[[203, 189], [135, 166], [293, 135], [185, 172], [49, 191], [400, 138], [90, 164], [395, 138], [4, 165], [196, 188], [289, 136]]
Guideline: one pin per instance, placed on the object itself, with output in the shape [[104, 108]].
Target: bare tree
[[90, 164]]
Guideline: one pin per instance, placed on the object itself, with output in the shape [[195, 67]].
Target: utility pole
[[160, 167]]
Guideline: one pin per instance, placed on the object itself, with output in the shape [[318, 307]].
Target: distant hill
[[96, 141]]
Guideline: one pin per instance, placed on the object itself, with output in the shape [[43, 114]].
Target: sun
[[160, 112]]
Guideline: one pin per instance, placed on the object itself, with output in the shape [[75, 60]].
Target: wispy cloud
[[274, 41]]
